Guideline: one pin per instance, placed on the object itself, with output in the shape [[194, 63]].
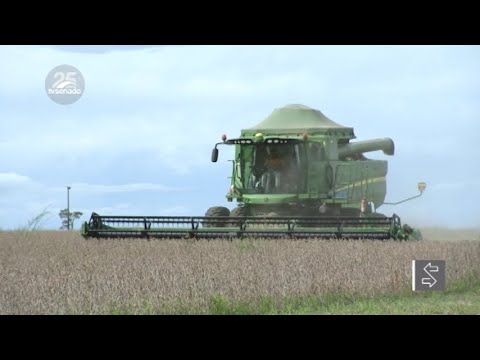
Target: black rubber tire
[[239, 211], [216, 211]]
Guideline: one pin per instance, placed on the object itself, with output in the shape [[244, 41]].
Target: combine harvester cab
[[296, 175]]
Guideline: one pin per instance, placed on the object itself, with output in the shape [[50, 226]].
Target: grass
[[462, 299], [58, 272]]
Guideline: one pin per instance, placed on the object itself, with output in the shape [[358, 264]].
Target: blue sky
[[139, 140]]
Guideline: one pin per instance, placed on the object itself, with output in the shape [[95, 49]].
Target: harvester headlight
[[224, 137], [232, 189], [259, 137]]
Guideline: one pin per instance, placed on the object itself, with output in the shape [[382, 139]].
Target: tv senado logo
[[65, 91], [64, 84]]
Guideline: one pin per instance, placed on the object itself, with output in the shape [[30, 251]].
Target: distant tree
[[64, 216]]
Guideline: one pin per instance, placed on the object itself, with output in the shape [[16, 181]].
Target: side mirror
[[422, 186], [214, 154]]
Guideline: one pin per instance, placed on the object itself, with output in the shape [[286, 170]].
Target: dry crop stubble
[[50, 272]]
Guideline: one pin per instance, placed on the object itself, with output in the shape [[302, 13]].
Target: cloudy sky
[[139, 139]]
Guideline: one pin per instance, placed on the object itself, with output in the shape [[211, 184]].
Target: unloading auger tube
[[185, 227]]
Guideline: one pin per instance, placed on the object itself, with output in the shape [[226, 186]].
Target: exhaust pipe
[[386, 145]]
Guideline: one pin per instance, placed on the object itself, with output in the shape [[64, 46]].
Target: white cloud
[[101, 49], [457, 186], [131, 210], [150, 115], [106, 139], [23, 199], [117, 209], [91, 189], [175, 210], [13, 179], [152, 101]]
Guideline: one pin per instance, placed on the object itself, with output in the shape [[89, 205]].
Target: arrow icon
[[427, 281], [431, 268]]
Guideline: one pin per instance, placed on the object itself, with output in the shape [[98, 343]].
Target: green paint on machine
[[298, 171]]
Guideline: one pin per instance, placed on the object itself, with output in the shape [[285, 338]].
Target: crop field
[[55, 272]]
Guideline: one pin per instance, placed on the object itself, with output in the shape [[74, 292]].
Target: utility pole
[[68, 207]]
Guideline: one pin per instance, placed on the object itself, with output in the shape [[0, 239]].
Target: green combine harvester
[[295, 175]]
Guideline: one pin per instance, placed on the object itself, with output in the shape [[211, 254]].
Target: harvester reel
[[218, 224]]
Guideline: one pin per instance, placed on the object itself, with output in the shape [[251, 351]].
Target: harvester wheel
[[216, 211], [239, 211]]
